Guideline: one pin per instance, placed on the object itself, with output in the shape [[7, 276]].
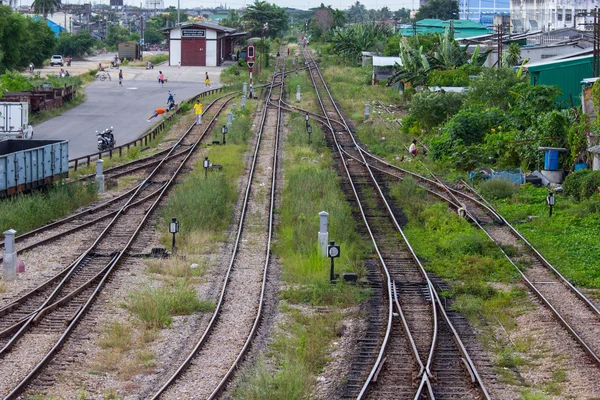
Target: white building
[[547, 15], [155, 4]]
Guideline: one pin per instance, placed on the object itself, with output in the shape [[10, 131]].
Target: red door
[[193, 52]]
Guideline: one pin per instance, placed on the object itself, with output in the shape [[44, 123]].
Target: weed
[[497, 188], [154, 306], [530, 394], [507, 358], [177, 267]]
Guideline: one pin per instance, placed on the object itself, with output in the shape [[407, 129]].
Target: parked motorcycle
[[106, 139]]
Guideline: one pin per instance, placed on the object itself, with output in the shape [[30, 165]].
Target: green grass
[[26, 212], [302, 347], [155, 306], [568, 239]]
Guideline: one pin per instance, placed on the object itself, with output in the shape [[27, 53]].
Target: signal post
[[250, 60]]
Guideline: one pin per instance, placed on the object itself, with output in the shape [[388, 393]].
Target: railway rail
[[102, 212], [215, 356], [423, 330], [55, 308]]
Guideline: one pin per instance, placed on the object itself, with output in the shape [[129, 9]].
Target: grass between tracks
[[305, 337]]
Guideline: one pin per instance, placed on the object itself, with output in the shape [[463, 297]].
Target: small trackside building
[[200, 44]]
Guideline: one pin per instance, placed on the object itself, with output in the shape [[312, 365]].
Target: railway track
[[100, 214], [51, 311], [576, 313], [215, 356], [423, 330]]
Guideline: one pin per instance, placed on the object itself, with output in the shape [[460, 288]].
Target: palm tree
[[339, 18], [46, 7]]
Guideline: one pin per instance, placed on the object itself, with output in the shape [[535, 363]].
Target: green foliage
[[493, 87], [581, 185], [15, 82], [453, 77], [553, 124], [349, 41], [23, 40], [438, 9], [415, 65], [529, 101], [116, 34], [77, 46], [27, 212], [155, 306], [46, 7], [392, 47], [497, 188], [260, 12], [512, 55], [577, 137], [433, 108]]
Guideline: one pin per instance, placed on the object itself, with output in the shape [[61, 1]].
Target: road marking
[[132, 88]]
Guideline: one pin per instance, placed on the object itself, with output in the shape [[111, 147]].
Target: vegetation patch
[[25, 212], [155, 306]]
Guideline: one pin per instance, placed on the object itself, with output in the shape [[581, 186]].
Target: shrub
[[453, 77], [497, 188], [575, 185], [431, 109], [184, 106]]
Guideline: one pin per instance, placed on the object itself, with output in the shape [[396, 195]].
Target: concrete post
[[10, 256], [243, 101], [323, 233], [100, 176], [245, 88], [298, 93], [229, 119], [367, 106], [233, 107]]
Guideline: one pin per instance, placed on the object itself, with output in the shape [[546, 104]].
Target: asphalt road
[[125, 108]]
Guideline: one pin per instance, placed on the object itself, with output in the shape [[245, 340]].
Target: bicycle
[[103, 75]]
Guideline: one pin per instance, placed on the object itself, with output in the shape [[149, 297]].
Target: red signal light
[[250, 51]]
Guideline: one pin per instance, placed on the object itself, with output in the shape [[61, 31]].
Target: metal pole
[[331, 277], [173, 246], [178, 10]]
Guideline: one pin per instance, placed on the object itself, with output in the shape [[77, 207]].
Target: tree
[[233, 19], [116, 34], [357, 12], [259, 13], [439, 9], [384, 14], [77, 46], [402, 15], [348, 42], [46, 7], [339, 18], [512, 55], [323, 18]]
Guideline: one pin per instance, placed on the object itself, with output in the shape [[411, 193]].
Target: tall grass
[[26, 212], [155, 306]]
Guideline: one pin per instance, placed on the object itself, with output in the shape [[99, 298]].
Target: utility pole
[[499, 30], [596, 71]]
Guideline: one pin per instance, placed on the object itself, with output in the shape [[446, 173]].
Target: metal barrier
[[143, 140]]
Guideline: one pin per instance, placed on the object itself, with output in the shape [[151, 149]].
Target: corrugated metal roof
[[552, 64], [380, 61], [462, 28]]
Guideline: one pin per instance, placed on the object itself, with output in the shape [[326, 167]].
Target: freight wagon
[[29, 164]]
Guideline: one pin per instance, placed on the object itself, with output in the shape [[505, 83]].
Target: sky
[[305, 4]]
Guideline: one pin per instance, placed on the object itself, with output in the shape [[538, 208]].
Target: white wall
[[211, 53], [175, 52]]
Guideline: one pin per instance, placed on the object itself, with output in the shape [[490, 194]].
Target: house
[[200, 43]]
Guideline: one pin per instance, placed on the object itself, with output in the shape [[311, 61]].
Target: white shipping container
[[14, 121]]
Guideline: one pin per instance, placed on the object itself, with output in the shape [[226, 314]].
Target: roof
[[379, 61], [462, 28], [553, 64], [202, 24]]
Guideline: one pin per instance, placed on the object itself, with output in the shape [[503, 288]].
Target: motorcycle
[[106, 139], [114, 64]]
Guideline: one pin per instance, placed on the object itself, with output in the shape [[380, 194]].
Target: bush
[[453, 77], [185, 106], [581, 185], [497, 189], [431, 109]]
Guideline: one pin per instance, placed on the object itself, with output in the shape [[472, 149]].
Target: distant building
[[155, 4], [547, 15], [483, 11], [56, 28], [200, 43], [462, 28]]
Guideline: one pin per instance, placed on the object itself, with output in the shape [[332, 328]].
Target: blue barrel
[[580, 166], [551, 160]]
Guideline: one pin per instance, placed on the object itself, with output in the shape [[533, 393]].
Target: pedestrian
[[31, 68], [161, 78], [62, 73], [157, 112], [198, 110], [207, 80], [179, 67], [120, 77], [413, 148], [288, 51]]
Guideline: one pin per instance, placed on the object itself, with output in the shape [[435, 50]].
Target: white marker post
[[323, 233], [10, 256]]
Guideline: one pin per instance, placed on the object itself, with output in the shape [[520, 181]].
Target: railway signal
[[224, 130], [550, 200], [206, 164], [174, 228], [333, 251]]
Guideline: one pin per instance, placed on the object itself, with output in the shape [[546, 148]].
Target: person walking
[[31, 68], [120, 77], [161, 79], [198, 110], [206, 80], [413, 148]]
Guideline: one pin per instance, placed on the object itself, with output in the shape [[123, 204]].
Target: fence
[[143, 140]]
